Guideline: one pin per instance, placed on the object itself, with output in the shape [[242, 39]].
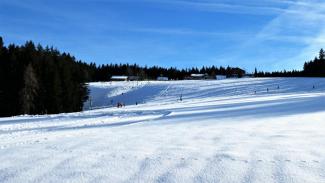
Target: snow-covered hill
[[236, 130]]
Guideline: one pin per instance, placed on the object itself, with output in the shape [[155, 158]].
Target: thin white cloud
[[191, 32], [241, 7], [303, 32], [227, 7], [254, 7]]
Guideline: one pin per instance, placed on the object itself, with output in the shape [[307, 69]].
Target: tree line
[[104, 72], [312, 68], [38, 80]]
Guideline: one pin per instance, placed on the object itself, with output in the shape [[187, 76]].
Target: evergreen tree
[[1, 43], [321, 55], [29, 91]]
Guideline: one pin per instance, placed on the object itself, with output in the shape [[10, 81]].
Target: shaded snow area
[[221, 131]]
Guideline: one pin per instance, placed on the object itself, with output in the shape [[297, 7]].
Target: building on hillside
[[221, 77], [119, 78], [198, 76], [162, 78], [238, 73], [133, 78], [234, 76]]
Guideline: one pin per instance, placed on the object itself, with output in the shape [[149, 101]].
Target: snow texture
[[233, 130]]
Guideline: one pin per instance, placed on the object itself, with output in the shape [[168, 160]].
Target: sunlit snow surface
[[222, 131]]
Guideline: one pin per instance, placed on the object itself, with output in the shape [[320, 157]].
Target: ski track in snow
[[221, 132]]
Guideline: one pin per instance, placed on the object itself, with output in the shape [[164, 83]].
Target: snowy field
[[221, 131]]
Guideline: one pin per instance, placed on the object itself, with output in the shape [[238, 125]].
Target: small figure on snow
[[119, 105]]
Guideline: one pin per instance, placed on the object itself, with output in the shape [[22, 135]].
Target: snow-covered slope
[[107, 94], [236, 130]]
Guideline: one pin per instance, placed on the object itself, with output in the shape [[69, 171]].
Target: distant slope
[[107, 94]]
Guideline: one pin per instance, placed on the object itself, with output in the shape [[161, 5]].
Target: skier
[[119, 105]]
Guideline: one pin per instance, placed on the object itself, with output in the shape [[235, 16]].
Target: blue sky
[[267, 34]]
